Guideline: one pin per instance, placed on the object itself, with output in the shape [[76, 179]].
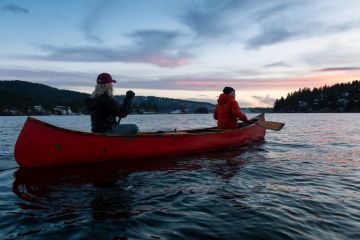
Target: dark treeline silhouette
[[21, 96], [25, 98], [343, 97]]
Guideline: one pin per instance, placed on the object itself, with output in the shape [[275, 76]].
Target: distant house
[[142, 111], [38, 108], [12, 111], [62, 110], [177, 111], [342, 102], [302, 105]]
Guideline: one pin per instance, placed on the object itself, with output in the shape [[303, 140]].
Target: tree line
[[342, 97], [21, 98]]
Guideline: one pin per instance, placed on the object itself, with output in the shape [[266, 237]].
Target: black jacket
[[104, 110]]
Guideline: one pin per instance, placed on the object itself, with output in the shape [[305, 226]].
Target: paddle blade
[[276, 126]]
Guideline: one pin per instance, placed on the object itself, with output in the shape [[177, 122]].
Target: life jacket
[[227, 112]]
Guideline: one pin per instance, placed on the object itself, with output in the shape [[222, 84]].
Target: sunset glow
[[186, 49]]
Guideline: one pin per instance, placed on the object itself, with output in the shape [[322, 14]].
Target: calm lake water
[[301, 183]]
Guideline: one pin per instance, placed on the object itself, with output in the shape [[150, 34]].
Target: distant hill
[[344, 97], [167, 105], [23, 98], [257, 110]]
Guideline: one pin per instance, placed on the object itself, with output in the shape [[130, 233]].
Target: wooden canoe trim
[[213, 130]]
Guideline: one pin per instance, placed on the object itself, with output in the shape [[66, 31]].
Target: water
[[301, 183]]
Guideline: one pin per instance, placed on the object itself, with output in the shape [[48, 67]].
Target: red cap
[[104, 78]]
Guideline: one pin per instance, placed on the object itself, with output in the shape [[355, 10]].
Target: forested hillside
[[26, 98], [344, 97]]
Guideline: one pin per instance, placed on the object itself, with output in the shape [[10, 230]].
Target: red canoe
[[41, 144]]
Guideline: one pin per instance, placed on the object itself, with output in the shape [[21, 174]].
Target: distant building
[[177, 111], [342, 102], [12, 111], [38, 108], [302, 105], [62, 110]]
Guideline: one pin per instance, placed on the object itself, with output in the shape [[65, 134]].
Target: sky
[[188, 49]]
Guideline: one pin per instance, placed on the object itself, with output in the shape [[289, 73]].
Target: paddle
[[276, 126]]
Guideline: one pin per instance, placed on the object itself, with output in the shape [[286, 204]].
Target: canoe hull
[[40, 144]]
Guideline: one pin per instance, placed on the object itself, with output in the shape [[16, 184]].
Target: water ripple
[[301, 183]]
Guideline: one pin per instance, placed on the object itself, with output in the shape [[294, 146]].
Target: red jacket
[[227, 112]]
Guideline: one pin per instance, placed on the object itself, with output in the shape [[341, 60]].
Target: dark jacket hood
[[224, 98]]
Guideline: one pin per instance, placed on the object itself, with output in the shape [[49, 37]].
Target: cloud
[[260, 23], [276, 64], [237, 20], [188, 83], [265, 100], [217, 84], [91, 22], [212, 18], [283, 22], [273, 9], [333, 55], [275, 25], [261, 84], [270, 35], [337, 69], [58, 78], [47, 77], [154, 39], [61, 17], [160, 48], [208, 100], [15, 9]]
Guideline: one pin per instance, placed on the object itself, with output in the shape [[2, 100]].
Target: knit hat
[[228, 90]]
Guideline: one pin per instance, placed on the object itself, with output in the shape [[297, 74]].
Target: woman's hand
[[130, 94]]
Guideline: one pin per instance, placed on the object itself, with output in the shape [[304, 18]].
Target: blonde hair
[[100, 89]]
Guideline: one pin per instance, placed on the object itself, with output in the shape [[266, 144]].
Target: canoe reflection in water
[[110, 191], [65, 191]]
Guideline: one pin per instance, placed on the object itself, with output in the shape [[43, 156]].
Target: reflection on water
[[33, 184], [301, 183], [107, 192]]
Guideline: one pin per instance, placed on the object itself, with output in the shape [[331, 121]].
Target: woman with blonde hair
[[104, 108]]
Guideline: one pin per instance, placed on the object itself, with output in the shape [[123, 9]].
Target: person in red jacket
[[227, 111]]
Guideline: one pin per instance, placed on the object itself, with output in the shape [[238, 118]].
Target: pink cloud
[[289, 84], [338, 69], [167, 61]]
